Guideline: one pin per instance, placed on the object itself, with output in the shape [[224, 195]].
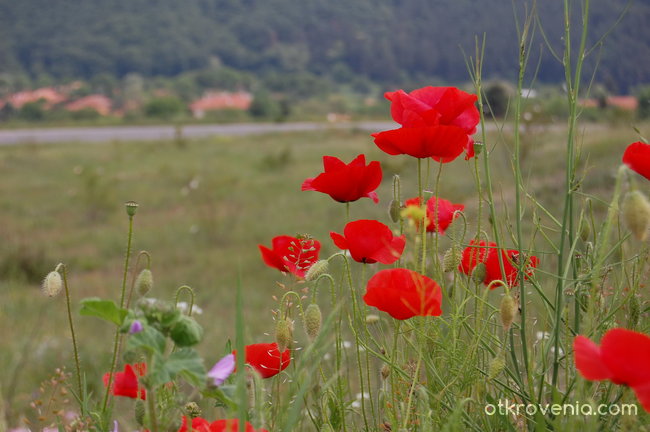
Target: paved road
[[147, 133]]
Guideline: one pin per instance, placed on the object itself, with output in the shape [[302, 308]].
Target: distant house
[[626, 103], [48, 94], [97, 102], [213, 101]]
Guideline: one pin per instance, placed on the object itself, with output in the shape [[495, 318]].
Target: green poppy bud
[[139, 412], [316, 270], [53, 284], [508, 311], [497, 365], [636, 213], [479, 273], [452, 259], [144, 282], [284, 334], [313, 320], [394, 210]]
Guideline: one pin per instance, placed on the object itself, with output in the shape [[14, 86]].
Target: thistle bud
[[192, 410], [139, 412], [479, 273], [313, 320], [144, 282], [452, 259], [497, 364], [507, 311], [394, 209], [636, 213], [283, 334], [52, 284], [316, 270], [131, 208]]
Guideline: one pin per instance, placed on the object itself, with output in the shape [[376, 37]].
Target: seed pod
[[131, 208], [479, 273], [452, 259], [52, 284], [394, 209], [313, 319], [497, 364], [636, 213], [144, 282], [508, 310], [585, 230], [283, 334], [385, 371], [316, 270]]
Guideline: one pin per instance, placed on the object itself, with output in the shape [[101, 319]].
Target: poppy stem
[[423, 223], [63, 270]]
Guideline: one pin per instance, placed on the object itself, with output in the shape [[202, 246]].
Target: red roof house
[[213, 101]]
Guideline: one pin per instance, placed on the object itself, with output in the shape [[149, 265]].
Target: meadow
[[206, 205]]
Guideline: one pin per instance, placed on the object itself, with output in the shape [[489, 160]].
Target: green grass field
[[204, 208]]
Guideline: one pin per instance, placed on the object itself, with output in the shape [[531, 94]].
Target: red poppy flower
[[291, 254], [623, 357], [448, 105], [637, 157], [126, 383], [370, 241], [446, 213], [474, 254], [265, 358], [228, 425], [436, 122], [487, 253], [345, 183], [511, 260], [403, 294]]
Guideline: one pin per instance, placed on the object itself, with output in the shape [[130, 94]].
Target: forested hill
[[387, 41]]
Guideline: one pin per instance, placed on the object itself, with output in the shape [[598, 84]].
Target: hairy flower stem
[[151, 399], [423, 223], [116, 343], [64, 272]]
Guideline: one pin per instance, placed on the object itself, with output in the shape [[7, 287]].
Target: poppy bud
[[316, 270], [186, 332], [508, 310], [192, 410], [452, 259], [131, 208], [313, 320], [636, 213], [139, 412], [144, 282], [394, 210], [52, 284], [479, 273], [283, 334], [497, 364]]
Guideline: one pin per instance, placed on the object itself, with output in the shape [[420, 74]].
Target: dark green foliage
[[383, 41], [643, 96], [164, 107], [497, 98]]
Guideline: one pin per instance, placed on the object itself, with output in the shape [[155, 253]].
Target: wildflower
[[293, 255], [487, 254], [230, 425], [437, 219], [126, 383], [623, 357], [403, 294], [637, 158], [436, 122], [266, 359], [370, 241], [136, 327], [347, 182], [222, 370]]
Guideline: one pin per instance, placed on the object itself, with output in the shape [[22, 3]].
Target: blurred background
[[206, 203]]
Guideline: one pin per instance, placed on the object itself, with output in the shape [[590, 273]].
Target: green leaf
[[184, 362], [104, 309], [148, 339]]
